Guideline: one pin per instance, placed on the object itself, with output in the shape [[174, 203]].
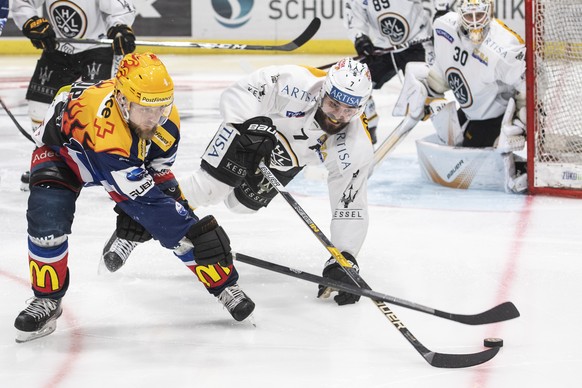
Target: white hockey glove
[[512, 135], [414, 94]]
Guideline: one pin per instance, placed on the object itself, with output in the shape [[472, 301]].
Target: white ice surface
[[153, 324]]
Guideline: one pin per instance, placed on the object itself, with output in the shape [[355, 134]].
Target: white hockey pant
[[201, 189]]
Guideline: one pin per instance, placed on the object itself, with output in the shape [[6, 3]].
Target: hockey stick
[[18, 126], [309, 32], [395, 137], [502, 312], [382, 51], [439, 360]]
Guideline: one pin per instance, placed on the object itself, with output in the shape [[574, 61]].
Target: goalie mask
[[475, 18], [144, 92], [345, 92]]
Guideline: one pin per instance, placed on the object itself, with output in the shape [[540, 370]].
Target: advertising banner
[[259, 20]]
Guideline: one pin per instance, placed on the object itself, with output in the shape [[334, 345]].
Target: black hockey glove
[[123, 39], [364, 46], [40, 33], [129, 229], [334, 271], [257, 141], [211, 244]]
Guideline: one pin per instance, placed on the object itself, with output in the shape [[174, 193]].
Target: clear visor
[[336, 111], [148, 116]]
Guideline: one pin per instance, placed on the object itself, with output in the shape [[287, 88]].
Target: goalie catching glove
[[258, 138], [333, 270]]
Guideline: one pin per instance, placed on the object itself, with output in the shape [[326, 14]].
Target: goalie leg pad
[[447, 126]]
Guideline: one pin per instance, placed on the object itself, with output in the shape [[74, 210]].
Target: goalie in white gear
[[292, 116], [482, 62]]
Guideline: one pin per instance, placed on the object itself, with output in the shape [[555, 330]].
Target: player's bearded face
[[144, 120], [333, 116]]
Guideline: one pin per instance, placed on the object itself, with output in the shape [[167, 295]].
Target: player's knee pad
[[48, 169], [256, 192], [36, 112], [50, 212], [447, 126]]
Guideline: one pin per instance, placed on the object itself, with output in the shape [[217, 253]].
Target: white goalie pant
[[446, 124], [201, 189]]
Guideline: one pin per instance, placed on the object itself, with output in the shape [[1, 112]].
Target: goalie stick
[[502, 312], [439, 360], [309, 32], [18, 126], [395, 137]]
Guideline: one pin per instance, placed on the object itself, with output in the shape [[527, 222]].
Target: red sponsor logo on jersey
[[42, 155]]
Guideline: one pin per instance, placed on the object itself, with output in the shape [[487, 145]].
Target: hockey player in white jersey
[[381, 24], [483, 62], [62, 64], [292, 116]]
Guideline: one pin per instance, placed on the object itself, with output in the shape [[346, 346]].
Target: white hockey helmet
[[349, 82], [475, 18]]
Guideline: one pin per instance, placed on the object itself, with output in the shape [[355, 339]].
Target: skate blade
[[326, 293], [251, 319], [26, 336]]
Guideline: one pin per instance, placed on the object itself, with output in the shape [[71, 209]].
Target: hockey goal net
[[554, 96]]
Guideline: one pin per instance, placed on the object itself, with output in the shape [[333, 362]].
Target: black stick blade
[[309, 32], [499, 313], [443, 360]]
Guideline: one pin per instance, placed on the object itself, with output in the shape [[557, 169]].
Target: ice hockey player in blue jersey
[[121, 134]]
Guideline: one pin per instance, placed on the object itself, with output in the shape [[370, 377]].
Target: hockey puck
[[493, 342]]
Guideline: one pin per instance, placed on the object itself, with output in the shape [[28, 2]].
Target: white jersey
[[289, 95], [483, 77], [83, 19], [388, 23]]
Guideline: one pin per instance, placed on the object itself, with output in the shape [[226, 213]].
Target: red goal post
[[554, 96]]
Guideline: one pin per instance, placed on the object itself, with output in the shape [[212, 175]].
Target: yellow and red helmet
[[142, 79]]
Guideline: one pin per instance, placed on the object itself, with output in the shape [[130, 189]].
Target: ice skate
[[116, 252], [39, 319], [25, 181], [238, 304]]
